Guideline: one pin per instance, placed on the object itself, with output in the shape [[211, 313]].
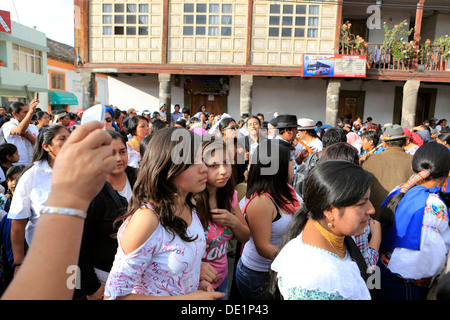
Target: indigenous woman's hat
[[393, 132]]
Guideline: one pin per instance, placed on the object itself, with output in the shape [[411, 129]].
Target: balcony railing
[[432, 59]]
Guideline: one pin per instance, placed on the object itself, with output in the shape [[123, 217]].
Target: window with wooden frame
[[57, 80]]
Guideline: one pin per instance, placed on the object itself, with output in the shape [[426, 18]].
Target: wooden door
[[347, 107], [213, 103]]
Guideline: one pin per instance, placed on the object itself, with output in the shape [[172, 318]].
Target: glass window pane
[[22, 62], [300, 9], [107, 8], [30, 64], [214, 20], [227, 19], [131, 8], [143, 31], [274, 20], [274, 8], [201, 7], [313, 21], [299, 32], [313, 33], [188, 31], [118, 30], [131, 19], [201, 31], [299, 21], [15, 47], [214, 8], [286, 32], [288, 8], [131, 31], [16, 60], [107, 31], [143, 8], [226, 31], [26, 50], [200, 19], [274, 32], [227, 8], [107, 19], [188, 7], [37, 65], [119, 19], [287, 21], [118, 7], [313, 9], [213, 31], [188, 19], [143, 19]]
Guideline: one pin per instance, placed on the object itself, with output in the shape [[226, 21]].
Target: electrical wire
[[17, 14]]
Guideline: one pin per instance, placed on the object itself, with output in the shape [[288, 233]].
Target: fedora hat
[[306, 124], [286, 121], [394, 132]]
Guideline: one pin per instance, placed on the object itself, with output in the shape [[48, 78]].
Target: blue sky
[[53, 17]]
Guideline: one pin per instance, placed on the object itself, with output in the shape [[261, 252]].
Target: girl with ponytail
[[415, 223]]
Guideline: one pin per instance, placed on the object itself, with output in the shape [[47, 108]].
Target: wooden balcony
[[379, 58]]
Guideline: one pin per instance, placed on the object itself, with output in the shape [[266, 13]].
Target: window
[[211, 19], [57, 81], [130, 19], [289, 20], [26, 59]]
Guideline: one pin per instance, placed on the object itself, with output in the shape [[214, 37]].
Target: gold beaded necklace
[[337, 242]]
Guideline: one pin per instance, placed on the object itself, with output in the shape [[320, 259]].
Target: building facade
[[239, 56], [24, 72]]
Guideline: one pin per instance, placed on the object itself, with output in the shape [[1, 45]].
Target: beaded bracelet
[[65, 211]]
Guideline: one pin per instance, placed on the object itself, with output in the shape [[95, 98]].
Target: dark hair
[[331, 183], [340, 151], [133, 124], [156, 114], [445, 137], [185, 110], [223, 124], [154, 184], [431, 156], [224, 194], [157, 124], [396, 143], [256, 118], [371, 135], [45, 136], [144, 143], [17, 106], [441, 121], [40, 114], [13, 170], [6, 149], [274, 184], [118, 136], [333, 135]]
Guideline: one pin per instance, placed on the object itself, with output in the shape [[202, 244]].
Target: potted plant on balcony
[[443, 45], [2, 63], [396, 43]]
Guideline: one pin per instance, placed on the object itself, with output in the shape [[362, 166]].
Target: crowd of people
[[151, 205]]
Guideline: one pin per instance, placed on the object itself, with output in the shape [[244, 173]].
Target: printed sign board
[[5, 21], [334, 66]]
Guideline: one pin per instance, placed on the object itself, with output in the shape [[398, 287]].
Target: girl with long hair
[[220, 214], [33, 188], [415, 223], [161, 240], [270, 203], [317, 257]]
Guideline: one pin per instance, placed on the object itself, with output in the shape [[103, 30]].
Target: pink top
[[163, 266], [217, 237]]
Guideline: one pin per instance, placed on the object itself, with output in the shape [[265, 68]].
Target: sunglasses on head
[[232, 128]]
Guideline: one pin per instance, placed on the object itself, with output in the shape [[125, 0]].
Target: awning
[[62, 97]]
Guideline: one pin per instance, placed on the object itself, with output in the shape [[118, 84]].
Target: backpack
[[302, 173]]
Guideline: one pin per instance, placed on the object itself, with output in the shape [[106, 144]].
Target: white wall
[[391, 17]]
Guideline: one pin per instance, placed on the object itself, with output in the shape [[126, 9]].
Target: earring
[[329, 225]]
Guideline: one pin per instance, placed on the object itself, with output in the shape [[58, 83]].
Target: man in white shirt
[[19, 130]]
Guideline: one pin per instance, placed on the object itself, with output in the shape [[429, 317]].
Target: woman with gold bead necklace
[[318, 260]]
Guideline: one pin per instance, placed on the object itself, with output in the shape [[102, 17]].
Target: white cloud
[[53, 17]]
